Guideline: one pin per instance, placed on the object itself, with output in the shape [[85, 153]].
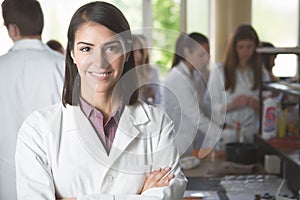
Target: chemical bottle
[[269, 125], [281, 126]]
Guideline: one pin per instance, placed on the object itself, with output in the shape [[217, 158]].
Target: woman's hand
[[157, 178], [253, 103], [243, 101], [237, 103]]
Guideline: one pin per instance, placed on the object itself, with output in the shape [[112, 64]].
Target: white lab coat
[[60, 155], [31, 77], [246, 116], [182, 99]]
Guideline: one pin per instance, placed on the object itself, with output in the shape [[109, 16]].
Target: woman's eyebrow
[[85, 43], [105, 44], [111, 42]]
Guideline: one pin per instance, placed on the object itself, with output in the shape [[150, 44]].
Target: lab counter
[[215, 178]]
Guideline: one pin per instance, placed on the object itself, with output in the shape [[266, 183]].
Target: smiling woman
[[100, 57], [102, 137]]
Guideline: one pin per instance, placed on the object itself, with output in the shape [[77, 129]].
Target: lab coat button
[[110, 178]]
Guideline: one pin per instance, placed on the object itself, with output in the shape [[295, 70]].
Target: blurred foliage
[[166, 18]]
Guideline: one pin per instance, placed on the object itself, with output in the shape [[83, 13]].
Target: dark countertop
[[208, 175], [207, 184]]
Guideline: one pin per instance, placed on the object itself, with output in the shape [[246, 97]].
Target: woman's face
[[99, 56], [198, 57], [245, 49]]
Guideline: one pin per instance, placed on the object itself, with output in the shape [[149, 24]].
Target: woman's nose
[[99, 59]]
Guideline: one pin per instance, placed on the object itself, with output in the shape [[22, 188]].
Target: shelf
[[276, 50], [288, 88]]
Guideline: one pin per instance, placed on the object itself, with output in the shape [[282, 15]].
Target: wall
[[226, 15]]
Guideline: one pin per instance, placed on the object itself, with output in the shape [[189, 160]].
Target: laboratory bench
[[218, 179]]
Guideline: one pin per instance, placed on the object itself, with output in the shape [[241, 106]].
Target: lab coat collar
[[132, 117], [76, 122], [28, 44], [183, 68], [137, 113]]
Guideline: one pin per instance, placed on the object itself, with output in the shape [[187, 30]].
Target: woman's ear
[[72, 56], [186, 52]]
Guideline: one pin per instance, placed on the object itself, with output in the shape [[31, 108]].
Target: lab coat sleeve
[[34, 179], [186, 113], [217, 95], [193, 120], [167, 155]]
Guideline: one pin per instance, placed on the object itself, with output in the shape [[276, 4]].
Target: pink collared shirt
[[107, 131]]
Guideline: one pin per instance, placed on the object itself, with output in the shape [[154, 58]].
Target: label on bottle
[[269, 119]]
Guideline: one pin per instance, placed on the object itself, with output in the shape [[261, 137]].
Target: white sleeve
[[216, 91], [181, 104], [167, 155], [33, 172]]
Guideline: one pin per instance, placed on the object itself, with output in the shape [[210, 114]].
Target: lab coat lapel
[[131, 118], [87, 134]]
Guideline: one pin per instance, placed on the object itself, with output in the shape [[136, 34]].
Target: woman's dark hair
[[111, 17], [266, 58], [243, 32], [26, 14], [56, 46], [187, 41]]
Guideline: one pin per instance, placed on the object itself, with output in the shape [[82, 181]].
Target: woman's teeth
[[100, 74]]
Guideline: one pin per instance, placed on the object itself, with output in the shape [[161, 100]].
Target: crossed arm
[[157, 178]]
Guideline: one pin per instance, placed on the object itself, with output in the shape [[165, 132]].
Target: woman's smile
[[101, 76]]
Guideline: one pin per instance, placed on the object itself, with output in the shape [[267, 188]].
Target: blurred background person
[[240, 73], [148, 75], [31, 77], [183, 91], [56, 46], [268, 61]]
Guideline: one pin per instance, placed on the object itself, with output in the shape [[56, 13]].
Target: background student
[[147, 73], [183, 95], [240, 78], [31, 77], [268, 61]]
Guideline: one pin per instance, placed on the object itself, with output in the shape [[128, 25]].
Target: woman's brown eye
[[85, 49]]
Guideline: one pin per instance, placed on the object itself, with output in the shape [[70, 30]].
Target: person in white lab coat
[[31, 77], [147, 73], [183, 94], [101, 142], [240, 75]]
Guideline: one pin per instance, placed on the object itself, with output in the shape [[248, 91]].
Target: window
[[276, 21], [198, 19]]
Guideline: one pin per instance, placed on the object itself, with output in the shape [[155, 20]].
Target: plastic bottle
[[269, 125], [281, 126]]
